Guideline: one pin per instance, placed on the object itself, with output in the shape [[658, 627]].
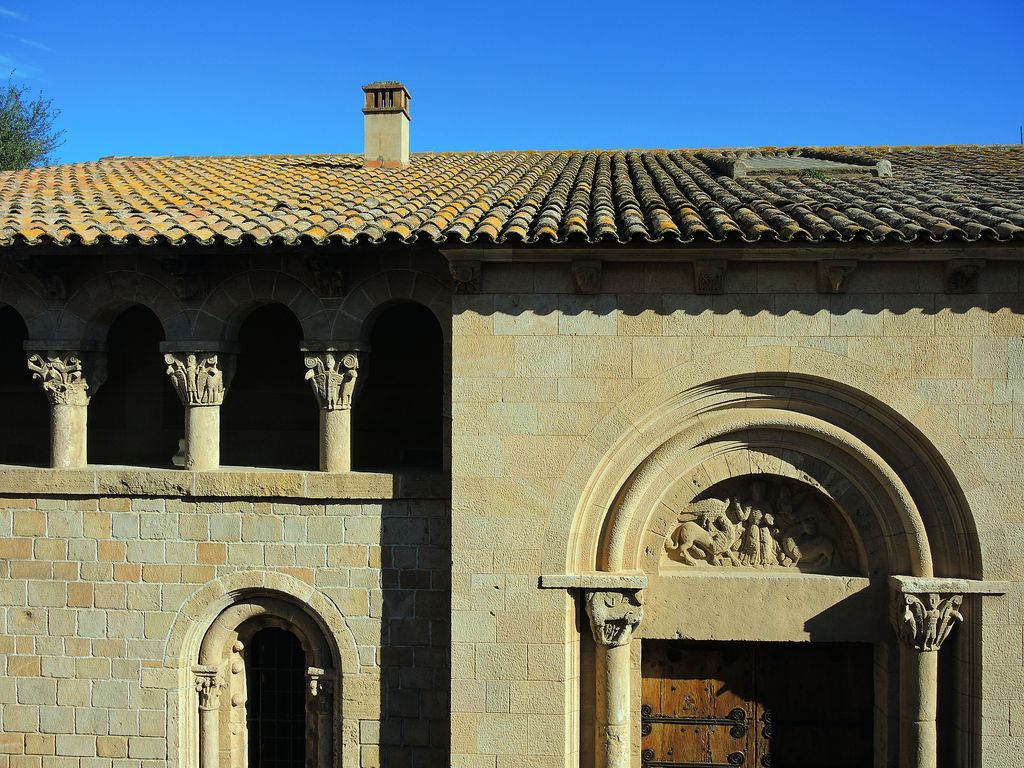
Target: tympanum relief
[[761, 523]]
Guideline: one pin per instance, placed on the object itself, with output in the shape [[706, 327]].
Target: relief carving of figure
[[197, 379], [755, 531]]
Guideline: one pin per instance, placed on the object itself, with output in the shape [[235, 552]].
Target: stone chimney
[[386, 125]]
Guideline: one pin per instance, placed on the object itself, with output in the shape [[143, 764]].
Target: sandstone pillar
[[201, 379], [614, 615], [208, 685], [922, 622], [332, 374], [69, 379]]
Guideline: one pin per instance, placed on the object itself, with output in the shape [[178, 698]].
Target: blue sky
[[227, 77]]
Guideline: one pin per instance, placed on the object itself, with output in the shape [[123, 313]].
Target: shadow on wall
[[415, 643], [749, 290]]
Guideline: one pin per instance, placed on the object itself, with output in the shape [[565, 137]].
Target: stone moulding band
[[223, 483]]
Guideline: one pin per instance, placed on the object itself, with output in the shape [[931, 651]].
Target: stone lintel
[[917, 585], [595, 580]]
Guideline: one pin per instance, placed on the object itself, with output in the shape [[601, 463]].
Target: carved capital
[[208, 685], [321, 687], [199, 378], [586, 275], [465, 276], [333, 378], [67, 378], [709, 276], [925, 621], [614, 614]]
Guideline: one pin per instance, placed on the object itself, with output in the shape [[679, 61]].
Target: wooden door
[[787, 705]]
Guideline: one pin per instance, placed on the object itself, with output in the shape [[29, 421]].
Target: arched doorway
[[776, 519]]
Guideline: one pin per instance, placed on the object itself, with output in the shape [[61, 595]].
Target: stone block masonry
[[93, 588]]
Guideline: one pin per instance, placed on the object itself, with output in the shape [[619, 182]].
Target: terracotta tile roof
[[958, 193]]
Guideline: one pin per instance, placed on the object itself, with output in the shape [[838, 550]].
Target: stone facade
[[754, 448]]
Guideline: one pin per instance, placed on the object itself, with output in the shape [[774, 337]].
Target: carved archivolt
[[775, 525]]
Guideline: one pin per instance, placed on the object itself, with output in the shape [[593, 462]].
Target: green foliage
[[27, 135]]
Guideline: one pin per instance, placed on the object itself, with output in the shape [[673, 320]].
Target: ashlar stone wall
[[548, 380], [96, 591]]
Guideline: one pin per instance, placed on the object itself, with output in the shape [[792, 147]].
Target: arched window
[[265, 680], [135, 416], [397, 416], [25, 416], [269, 417], [275, 715]]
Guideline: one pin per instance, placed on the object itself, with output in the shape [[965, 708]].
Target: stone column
[[332, 375], [614, 615], [201, 379], [922, 622], [208, 684], [69, 379], [319, 718]]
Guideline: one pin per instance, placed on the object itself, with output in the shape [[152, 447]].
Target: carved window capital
[[925, 621], [333, 378], [199, 378], [614, 614], [208, 685], [67, 377]]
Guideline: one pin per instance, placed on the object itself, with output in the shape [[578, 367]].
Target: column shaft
[[613, 712], [919, 689], [335, 440], [209, 738], [202, 437], [68, 435]]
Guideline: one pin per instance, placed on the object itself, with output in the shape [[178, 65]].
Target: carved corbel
[[834, 275], [208, 685], [586, 275], [962, 275], [924, 622], [328, 275], [614, 614], [333, 378], [709, 276], [465, 276], [68, 377], [199, 378]]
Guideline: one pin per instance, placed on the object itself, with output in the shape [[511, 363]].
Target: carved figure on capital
[[62, 377], [333, 379], [614, 614], [758, 530], [925, 624], [197, 378]]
